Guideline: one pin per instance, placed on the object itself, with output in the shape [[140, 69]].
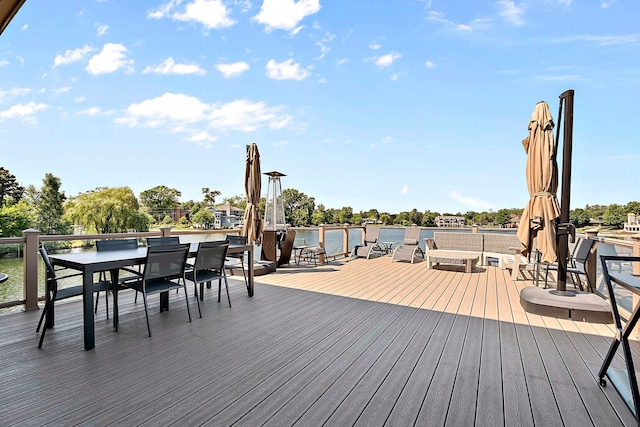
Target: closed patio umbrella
[[252, 227], [542, 211]]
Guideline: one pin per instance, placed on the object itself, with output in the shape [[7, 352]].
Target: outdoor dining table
[[92, 262]]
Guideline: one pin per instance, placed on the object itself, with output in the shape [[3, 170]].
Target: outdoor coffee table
[[469, 260]]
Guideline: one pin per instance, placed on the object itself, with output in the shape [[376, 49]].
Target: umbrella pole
[[562, 236]]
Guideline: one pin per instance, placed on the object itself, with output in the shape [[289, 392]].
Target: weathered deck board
[[362, 342]]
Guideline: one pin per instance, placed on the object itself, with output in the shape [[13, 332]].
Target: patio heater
[[274, 223]]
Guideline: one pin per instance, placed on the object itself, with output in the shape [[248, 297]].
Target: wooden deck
[[363, 342]]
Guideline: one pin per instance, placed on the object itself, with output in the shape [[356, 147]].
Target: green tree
[[298, 207], [579, 217], [614, 216], [632, 207], [209, 197], [237, 201], [204, 218], [415, 217], [502, 217], [14, 218], [49, 210], [356, 219], [160, 201], [385, 218], [320, 216], [429, 218], [107, 210], [9, 187], [345, 216]]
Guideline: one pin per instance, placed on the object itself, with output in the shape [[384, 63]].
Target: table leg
[[468, 266], [164, 301], [516, 266], [115, 277], [87, 299], [250, 272]]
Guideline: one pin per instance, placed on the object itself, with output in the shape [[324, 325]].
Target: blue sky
[[387, 104]]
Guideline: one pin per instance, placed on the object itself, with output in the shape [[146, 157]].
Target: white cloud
[[375, 46], [511, 13], [210, 13], [14, 91], [79, 99], [92, 111], [602, 40], [285, 14], [395, 76], [430, 64], [169, 66], [232, 70], [204, 139], [25, 112], [24, 27], [110, 59], [386, 60], [281, 143], [405, 189], [181, 113], [62, 90], [287, 70], [341, 61], [565, 2], [470, 201], [72, 56], [296, 30], [323, 43], [4, 63], [384, 141], [475, 25], [102, 29]]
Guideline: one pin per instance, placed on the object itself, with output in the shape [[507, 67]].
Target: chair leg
[[226, 284], [95, 310], [186, 297], [44, 312], [146, 312], [219, 288], [197, 299]]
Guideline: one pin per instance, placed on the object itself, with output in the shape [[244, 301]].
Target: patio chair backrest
[[500, 242], [582, 251], [116, 244], [411, 236], [51, 273], [211, 255], [165, 261], [156, 241], [236, 240], [458, 241], [371, 234]]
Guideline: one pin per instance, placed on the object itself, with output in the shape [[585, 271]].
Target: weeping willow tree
[[107, 210]]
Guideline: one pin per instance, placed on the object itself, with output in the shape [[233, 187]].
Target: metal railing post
[[30, 269]]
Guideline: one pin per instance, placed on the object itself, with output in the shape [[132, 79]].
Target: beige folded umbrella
[[542, 211], [252, 227]]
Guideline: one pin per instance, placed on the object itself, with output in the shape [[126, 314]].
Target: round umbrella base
[[573, 305]]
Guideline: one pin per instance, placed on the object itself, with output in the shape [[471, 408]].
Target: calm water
[[11, 290]]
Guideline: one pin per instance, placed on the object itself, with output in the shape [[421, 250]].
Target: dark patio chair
[[164, 270], [575, 264], [209, 266], [237, 240], [131, 273], [55, 293], [156, 241]]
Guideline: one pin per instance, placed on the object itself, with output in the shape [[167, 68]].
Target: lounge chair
[[370, 245], [409, 250]]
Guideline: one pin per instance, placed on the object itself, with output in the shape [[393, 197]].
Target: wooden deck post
[[636, 252], [591, 265], [345, 241], [321, 242], [30, 269], [165, 231]]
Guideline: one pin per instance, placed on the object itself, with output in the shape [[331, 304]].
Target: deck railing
[[31, 240]]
